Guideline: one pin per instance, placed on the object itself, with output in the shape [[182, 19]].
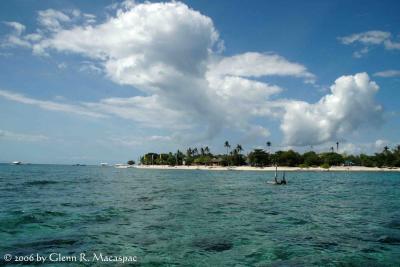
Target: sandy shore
[[288, 169]]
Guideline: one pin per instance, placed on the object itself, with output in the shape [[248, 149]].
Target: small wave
[[369, 250], [12, 222], [286, 263], [213, 244], [145, 199], [297, 221], [45, 244], [152, 207], [40, 182], [395, 224], [389, 239], [155, 227], [54, 213], [21, 218], [272, 212], [326, 244]]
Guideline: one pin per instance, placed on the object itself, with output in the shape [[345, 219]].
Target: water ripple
[[202, 218]]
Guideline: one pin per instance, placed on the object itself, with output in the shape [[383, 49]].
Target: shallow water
[[201, 218]]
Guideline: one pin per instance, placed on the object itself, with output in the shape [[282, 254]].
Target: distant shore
[[270, 169]]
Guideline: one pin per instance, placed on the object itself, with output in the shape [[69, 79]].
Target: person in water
[[283, 179]]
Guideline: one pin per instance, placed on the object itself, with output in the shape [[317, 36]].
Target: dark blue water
[[201, 218]]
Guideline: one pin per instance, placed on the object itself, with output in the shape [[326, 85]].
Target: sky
[[107, 81]]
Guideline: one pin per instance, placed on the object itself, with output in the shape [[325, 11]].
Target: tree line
[[264, 157]]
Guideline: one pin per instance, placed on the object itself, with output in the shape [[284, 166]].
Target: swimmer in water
[[283, 179]]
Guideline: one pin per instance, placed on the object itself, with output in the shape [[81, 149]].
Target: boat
[[104, 164], [16, 162], [122, 166]]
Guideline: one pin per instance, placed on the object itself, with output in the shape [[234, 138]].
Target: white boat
[[104, 164], [121, 166], [16, 162]]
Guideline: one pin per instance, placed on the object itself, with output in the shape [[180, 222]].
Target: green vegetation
[[325, 166], [263, 158]]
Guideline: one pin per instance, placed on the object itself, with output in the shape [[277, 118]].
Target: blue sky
[[106, 81]]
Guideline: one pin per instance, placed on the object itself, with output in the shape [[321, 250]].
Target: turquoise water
[[201, 218]]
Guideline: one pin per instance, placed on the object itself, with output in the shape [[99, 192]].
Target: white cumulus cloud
[[350, 105], [172, 54]]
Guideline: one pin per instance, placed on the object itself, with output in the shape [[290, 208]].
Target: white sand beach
[[288, 169]]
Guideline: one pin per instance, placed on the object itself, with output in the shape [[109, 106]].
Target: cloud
[[349, 106], [380, 144], [5, 54], [7, 135], [361, 53], [90, 67], [89, 18], [172, 55], [62, 65], [18, 27], [252, 64], [15, 37], [392, 45], [368, 39], [140, 140], [388, 73], [52, 19], [49, 105], [146, 110], [362, 148]]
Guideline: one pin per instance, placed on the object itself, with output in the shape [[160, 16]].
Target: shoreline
[[271, 169]]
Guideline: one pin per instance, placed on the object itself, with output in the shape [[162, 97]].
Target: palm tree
[[206, 150], [332, 149], [227, 145], [202, 151], [189, 152], [337, 146], [239, 148], [195, 151], [385, 149], [268, 145]]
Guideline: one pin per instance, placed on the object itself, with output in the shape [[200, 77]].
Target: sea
[[55, 214]]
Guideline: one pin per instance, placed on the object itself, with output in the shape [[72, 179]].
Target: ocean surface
[[200, 218]]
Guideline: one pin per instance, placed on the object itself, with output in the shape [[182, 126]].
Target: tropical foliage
[[262, 158]]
